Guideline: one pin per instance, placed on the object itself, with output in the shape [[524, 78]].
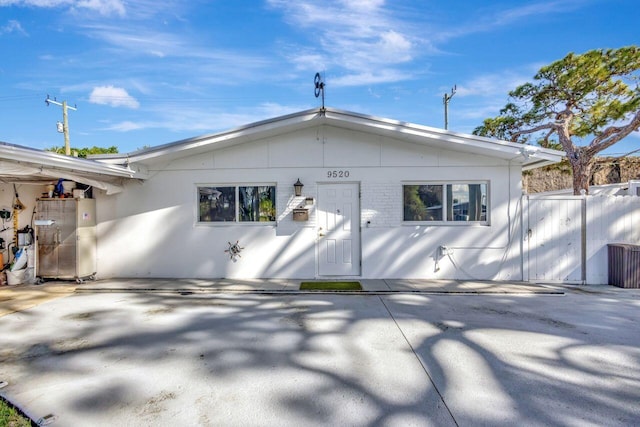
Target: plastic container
[[21, 260], [15, 277], [68, 186]]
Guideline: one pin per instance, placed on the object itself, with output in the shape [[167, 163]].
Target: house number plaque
[[338, 174]]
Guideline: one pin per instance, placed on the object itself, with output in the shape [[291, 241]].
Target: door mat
[[330, 286]]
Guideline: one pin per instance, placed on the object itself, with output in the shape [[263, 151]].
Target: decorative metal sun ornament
[[234, 250]]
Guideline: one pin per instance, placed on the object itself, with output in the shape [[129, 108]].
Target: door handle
[[320, 233]]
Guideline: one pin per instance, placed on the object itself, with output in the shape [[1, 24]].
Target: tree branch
[[613, 134], [551, 126], [546, 137]]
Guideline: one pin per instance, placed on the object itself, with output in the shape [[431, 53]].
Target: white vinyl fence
[[566, 237]]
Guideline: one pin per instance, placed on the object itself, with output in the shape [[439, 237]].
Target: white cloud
[[217, 65], [138, 40], [112, 96], [271, 109], [368, 78], [312, 61], [197, 120], [477, 112], [361, 5], [127, 126], [394, 46], [155, 10], [202, 121], [485, 95], [103, 7], [500, 17], [356, 35], [496, 84], [12, 26], [519, 13]]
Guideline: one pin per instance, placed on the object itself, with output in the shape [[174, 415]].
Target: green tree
[[581, 104], [84, 152]]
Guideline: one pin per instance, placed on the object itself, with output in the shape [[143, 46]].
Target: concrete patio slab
[[18, 298], [232, 359], [530, 360], [292, 285], [405, 358], [470, 287], [22, 297]]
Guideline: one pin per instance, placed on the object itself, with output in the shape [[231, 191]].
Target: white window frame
[[444, 220], [236, 222]]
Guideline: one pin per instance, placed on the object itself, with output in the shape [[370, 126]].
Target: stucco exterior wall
[[151, 229]]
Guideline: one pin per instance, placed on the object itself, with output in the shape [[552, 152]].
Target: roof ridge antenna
[[319, 88]]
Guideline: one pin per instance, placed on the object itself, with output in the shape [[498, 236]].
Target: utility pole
[[446, 100], [64, 126]]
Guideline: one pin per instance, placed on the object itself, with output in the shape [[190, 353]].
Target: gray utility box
[[624, 265], [66, 248]]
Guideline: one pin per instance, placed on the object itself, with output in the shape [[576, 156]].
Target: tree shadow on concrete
[[502, 362], [211, 359], [272, 360]]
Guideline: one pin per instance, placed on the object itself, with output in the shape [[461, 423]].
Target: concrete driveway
[[146, 356]]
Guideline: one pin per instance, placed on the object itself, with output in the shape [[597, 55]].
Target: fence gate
[[554, 239]]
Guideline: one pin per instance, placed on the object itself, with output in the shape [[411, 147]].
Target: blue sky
[[148, 72]]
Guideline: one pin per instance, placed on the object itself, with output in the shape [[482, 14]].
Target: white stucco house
[[380, 198]]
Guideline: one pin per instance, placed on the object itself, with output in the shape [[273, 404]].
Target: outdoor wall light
[[298, 187]]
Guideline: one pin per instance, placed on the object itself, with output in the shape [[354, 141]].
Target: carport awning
[[15, 172], [19, 164]]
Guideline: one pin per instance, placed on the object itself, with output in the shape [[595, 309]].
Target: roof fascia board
[[531, 156], [531, 164], [58, 161], [17, 172]]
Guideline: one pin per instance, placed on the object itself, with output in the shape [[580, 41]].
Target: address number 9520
[[338, 174]]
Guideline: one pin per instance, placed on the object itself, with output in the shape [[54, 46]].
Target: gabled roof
[[25, 164], [529, 156]]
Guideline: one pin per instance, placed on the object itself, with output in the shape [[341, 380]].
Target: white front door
[[338, 230]]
